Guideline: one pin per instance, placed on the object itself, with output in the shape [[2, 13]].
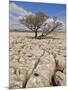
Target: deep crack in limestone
[[35, 66]]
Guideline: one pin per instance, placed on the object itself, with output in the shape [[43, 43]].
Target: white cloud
[[14, 20], [15, 24], [13, 8]]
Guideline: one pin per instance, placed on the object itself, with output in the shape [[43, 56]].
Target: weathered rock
[[11, 70], [31, 62], [16, 84], [42, 75], [60, 62], [59, 78]]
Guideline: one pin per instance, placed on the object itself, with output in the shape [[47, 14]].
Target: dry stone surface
[[36, 62], [59, 78], [42, 75]]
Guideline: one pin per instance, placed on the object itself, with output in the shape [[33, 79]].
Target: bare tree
[[50, 28], [34, 22]]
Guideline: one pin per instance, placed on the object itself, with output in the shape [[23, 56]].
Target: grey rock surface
[[42, 75], [33, 62], [59, 78], [60, 62]]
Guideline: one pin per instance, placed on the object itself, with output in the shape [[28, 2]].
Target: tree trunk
[[36, 34], [42, 34]]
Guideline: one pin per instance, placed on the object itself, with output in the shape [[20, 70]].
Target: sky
[[20, 9], [58, 10]]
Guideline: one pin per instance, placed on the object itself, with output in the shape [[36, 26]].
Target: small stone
[[59, 78], [60, 62]]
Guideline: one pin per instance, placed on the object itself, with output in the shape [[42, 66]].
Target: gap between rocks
[[35, 66]]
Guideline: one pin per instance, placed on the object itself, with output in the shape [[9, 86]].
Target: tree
[[50, 27], [34, 22]]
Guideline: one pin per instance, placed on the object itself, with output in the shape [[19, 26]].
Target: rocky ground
[[37, 62]]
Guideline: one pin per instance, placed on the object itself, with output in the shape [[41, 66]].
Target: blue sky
[[58, 10]]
